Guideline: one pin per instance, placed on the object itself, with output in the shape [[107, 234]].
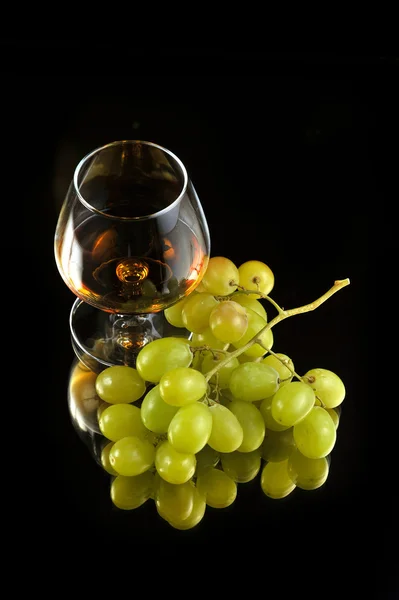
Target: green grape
[[159, 356], [292, 402], [200, 288], [173, 466], [182, 385], [101, 409], [195, 517], [128, 493], [249, 301], [223, 376], [227, 433], [315, 435], [105, 459], [190, 428], [120, 384], [198, 356], [253, 381], [196, 312], [228, 321], [266, 412], [252, 424], [207, 457], [283, 372], [206, 338], [174, 502], [278, 445], [255, 324], [307, 473], [327, 386], [335, 414], [219, 274], [173, 314], [243, 358], [275, 481], [121, 420], [155, 413], [132, 456], [218, 489], [256, 275], [241, 467]]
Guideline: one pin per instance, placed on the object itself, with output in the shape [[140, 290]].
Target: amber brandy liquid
[[128, 266]]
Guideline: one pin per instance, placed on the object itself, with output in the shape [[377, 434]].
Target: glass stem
[[127, 334]]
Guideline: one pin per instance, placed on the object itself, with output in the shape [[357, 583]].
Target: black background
[[294, 158]]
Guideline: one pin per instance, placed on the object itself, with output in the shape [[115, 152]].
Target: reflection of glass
[[131, 240], [84, 406]]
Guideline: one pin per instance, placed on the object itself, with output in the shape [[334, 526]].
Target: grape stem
[[294, 373], [213, 351], [282, 314], [282, 360], [264, 296]]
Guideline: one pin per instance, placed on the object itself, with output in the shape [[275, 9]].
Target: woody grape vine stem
[[282, 314]]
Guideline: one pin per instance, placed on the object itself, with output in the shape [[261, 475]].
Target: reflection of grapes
[[128, 493], [241, 466], [197, 513], [275, 481], [278, 445], [217, 488], [307, 473], [174, 502], [196, 419]]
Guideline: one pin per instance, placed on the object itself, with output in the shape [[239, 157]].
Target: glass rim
[[142, 217]]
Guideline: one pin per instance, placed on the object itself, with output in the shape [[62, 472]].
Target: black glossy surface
[[294, 163]]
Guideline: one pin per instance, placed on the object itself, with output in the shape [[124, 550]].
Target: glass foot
[[101, 340]]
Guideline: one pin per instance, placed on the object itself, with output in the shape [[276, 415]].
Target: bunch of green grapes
[[196, 417]]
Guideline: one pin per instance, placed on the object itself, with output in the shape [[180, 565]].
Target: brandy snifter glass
[[131, 240]]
